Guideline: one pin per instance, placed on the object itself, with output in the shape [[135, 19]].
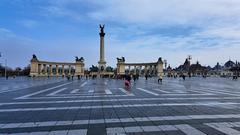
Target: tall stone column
[[102, 62]]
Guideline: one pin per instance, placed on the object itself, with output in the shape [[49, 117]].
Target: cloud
[[15, 48], [140, 30], [9, 35], [29, 23], [167, 12]]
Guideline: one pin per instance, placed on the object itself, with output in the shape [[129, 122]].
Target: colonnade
[[155, 68], [45, 68], [141, 69]]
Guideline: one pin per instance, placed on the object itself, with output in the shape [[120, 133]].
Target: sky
[[139, 30]]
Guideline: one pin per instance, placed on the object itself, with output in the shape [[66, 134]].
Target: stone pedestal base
[[102, 65]]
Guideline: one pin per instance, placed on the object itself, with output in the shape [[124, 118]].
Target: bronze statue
[[101, 28], [81, 59], [160, 59], [34, 56], [77, 59], [121, 59]]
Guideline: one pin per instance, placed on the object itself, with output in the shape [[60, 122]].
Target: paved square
[[48, 106]]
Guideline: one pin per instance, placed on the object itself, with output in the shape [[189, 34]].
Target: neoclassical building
[[47, 68], [152, 68]]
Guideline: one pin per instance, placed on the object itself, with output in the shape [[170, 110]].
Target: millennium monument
[[46, 68], [102, 62]]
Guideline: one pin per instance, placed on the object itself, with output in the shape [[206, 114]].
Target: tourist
[[127, 81], [183, 76], [235, 77], [160, 79], [68, 77], [134, 78], [146, 76]]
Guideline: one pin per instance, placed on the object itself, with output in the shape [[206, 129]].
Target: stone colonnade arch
[[153, 68], [46, 68]]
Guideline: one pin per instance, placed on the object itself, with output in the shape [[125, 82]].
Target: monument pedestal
[[79, 68], [102, 66]]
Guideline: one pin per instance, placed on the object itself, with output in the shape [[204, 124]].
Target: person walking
[[160, 79], [183, 76], [68, 77], [127, 81], [134, 78], [146, 76]]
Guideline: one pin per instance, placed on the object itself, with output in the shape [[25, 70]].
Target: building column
[[150, 69], [63, 71], [57, 70], [50, 70], [39, 69], [45, 69], [155, 69], [69, 70], [135, 70], [145, 69]]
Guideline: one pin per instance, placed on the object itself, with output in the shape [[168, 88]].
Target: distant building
[[228, 69], [197, 70], [183, 69], [225, 71], [229, 64], [216, 70]]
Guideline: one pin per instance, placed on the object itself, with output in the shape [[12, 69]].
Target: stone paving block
[[133, 129]]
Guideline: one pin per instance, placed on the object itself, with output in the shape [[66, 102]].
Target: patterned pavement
[[49, 106]]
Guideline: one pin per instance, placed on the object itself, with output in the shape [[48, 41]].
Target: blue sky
[[140, 30]]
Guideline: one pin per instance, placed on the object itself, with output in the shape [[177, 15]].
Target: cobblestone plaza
[[47, 106]]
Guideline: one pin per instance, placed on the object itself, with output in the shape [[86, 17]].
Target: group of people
[[129, 77]]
